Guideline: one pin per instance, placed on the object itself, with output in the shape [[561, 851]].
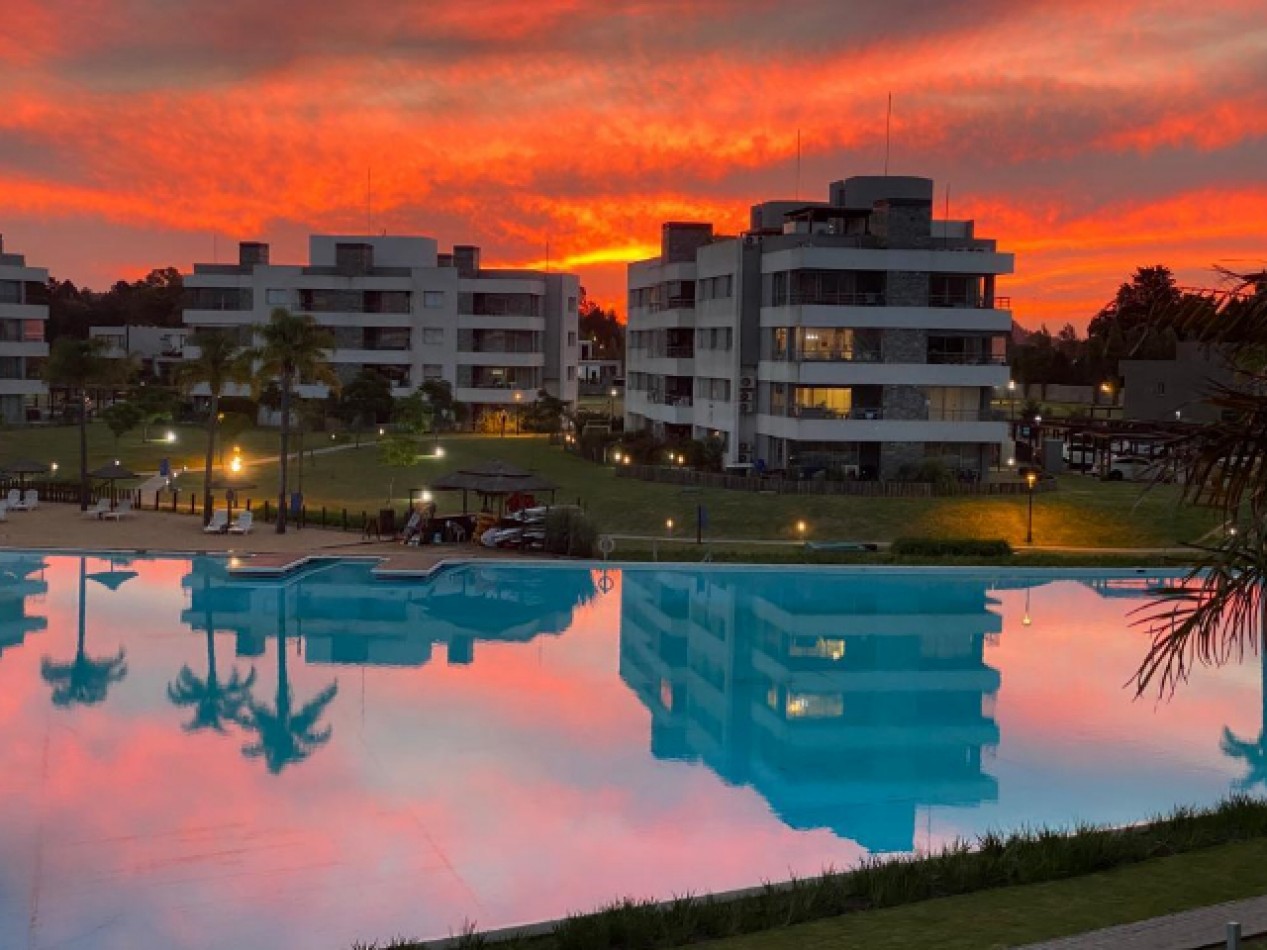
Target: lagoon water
[[197, 760]]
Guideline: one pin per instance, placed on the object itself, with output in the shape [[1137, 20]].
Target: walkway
[[1190, 930]]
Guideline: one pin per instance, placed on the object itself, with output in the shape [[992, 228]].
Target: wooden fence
[[818, 486]]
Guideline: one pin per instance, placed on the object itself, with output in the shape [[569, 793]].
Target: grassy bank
[[999, 891], [1083, 513]]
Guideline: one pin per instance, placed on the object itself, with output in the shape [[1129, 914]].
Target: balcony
[[824, 298], [966, 359], [829, 356], [969, 302]]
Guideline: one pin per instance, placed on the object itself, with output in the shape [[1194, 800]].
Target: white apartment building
[[855, 335], [157, 351], [398, 306], [23, 348]]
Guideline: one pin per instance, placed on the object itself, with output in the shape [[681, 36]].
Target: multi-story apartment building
[[856, 335], [23, 318], [157, 351], [398, 306]]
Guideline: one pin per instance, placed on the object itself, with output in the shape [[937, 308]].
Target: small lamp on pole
[[1031, 481]]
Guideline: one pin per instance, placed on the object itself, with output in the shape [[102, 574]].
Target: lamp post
[[611, 408], [1031, 480], [518, 397]]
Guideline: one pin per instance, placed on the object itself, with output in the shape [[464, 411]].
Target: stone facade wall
[[905, 223], [895, 455], [907, 289], [680, 240]]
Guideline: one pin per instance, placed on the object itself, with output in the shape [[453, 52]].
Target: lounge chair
[[102, 509], [14, 501], [219, 522], [242, 524], [31, 498], [123, 511]]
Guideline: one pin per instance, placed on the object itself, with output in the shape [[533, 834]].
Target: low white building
[[23, 347], [157, 351], [856, 335], [397, 306]]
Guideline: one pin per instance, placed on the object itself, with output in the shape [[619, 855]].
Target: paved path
[[1190, 930]]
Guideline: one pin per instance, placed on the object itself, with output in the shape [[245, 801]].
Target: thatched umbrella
[[24, 467], [112, 473], [493, 479]]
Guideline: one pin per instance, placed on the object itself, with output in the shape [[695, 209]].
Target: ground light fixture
[[439, 451], [53, 466], [171, 436], [1031, 481], [801, 528], [668, 525]]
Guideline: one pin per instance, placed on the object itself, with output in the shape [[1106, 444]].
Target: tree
[[220, 361], [445, 409], [413, 413], [84, 680], [545, 414], [156, 404], [1217, 611], [80, 365], [294, 349], [214, 702], [365, 401], [601, 326], [121, 418]]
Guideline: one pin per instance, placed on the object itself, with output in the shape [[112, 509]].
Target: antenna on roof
[[798, 164], [888, 125], [369, 206], [945, 227]]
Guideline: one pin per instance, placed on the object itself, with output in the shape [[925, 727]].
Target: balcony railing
[[672, 303], [966, 359], [970, 302], [843, 355], [833, 299], [826, 412], [670, 399]]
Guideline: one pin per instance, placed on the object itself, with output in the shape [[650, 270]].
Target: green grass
[[1001, 891], [1010, 916], [1083, 513]]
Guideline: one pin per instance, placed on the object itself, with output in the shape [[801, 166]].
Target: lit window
[[814, 705]]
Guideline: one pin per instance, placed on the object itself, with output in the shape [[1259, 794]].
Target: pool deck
[[1190, 930], [63, 527]]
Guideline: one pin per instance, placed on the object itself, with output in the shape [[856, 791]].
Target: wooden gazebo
[[494, 479]]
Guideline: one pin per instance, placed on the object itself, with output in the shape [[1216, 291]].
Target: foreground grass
[[1083, 513], [1028, 886]]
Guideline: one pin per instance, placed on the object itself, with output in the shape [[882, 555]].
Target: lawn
[[1010, 916], [1083, 513]]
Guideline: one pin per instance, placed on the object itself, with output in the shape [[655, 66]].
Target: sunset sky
[[1089, 138]]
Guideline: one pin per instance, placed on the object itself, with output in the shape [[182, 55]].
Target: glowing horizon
[[1088, 140]]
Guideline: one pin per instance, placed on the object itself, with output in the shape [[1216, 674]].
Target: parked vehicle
[[1132, 468]]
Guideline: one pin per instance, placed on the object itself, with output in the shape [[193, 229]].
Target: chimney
[[353, 259], [466, 257], [251, 253]]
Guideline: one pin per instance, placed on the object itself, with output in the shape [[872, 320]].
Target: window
[[433, 336], [571, 304], [277, 298], [432, 371], [572, 338], [433, 299], [571, 373], [1159, 389]]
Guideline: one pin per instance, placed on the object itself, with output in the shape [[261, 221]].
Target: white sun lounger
[[14, 501], [219, 522], [103, 506], [123, 511], [242, 524], [31, 498]]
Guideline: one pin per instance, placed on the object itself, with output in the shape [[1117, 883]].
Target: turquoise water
[[195, 760]]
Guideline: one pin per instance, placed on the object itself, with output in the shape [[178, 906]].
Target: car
[[1132, 468]]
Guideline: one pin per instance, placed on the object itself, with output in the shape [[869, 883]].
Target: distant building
[[597, 375], [157, 351], [856, 335], [23, 347], [1169, 390], [397, 306]]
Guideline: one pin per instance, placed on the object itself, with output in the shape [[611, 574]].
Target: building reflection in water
[[849, 702], [21, 577]]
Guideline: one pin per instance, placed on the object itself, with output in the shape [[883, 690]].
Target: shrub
[[950, 547], [570, 532], [399, 451], [932, 471]]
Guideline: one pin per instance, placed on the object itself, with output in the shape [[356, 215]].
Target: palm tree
[[220, 361], [84, 680], [80, 365], [214, 702], [294, 348], [1216, 612], [286, 736]]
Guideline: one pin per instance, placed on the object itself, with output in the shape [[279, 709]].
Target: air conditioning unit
[[747, 382]]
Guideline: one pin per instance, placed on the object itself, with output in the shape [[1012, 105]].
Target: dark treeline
[[154, 300], [1147, 317]]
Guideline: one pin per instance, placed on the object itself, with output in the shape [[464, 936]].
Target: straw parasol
[[113, 472], [24, 467], [493, 479]]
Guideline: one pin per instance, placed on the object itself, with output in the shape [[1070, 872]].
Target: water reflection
[[17, 583], [848, 702], [86, 680]]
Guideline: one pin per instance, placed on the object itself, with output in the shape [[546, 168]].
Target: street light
[[518, 396], [1031, 480], [611, 408], [1011, 400]]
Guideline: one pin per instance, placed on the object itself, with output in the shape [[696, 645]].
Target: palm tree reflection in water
[[286, 736], [86, 680]]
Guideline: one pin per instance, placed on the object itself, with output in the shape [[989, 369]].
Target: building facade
[[855, 336], [397, 306], [23, 347], [1177, 390], [156, 351]]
